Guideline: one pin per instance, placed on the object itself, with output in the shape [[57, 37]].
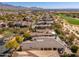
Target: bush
[[68, 55], [19, 39], [72, 55], [57, 31], [26, 35], [74, 48], [65, 55]]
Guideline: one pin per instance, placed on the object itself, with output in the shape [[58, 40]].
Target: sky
[[47, 5]]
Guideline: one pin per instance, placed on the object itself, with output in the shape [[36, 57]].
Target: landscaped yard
[[74, 21]]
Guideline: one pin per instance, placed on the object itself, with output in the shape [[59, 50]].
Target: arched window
[[49, 48], [41, 48], [54, 48], [45, 49]]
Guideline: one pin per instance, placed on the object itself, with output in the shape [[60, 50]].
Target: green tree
[[12, 44]]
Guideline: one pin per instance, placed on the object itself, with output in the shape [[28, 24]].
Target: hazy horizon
[[47, 5]]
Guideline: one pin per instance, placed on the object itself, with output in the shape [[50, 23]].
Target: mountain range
[[11, 7]]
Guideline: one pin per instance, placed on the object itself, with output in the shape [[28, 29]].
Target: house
[[43, 41], [3, 24]]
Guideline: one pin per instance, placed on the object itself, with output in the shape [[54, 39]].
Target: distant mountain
[[11, 7], [36, 8]]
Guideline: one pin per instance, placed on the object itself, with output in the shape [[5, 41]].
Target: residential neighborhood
[[38, 32]]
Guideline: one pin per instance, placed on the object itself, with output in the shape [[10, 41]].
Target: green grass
[[70, 20]]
